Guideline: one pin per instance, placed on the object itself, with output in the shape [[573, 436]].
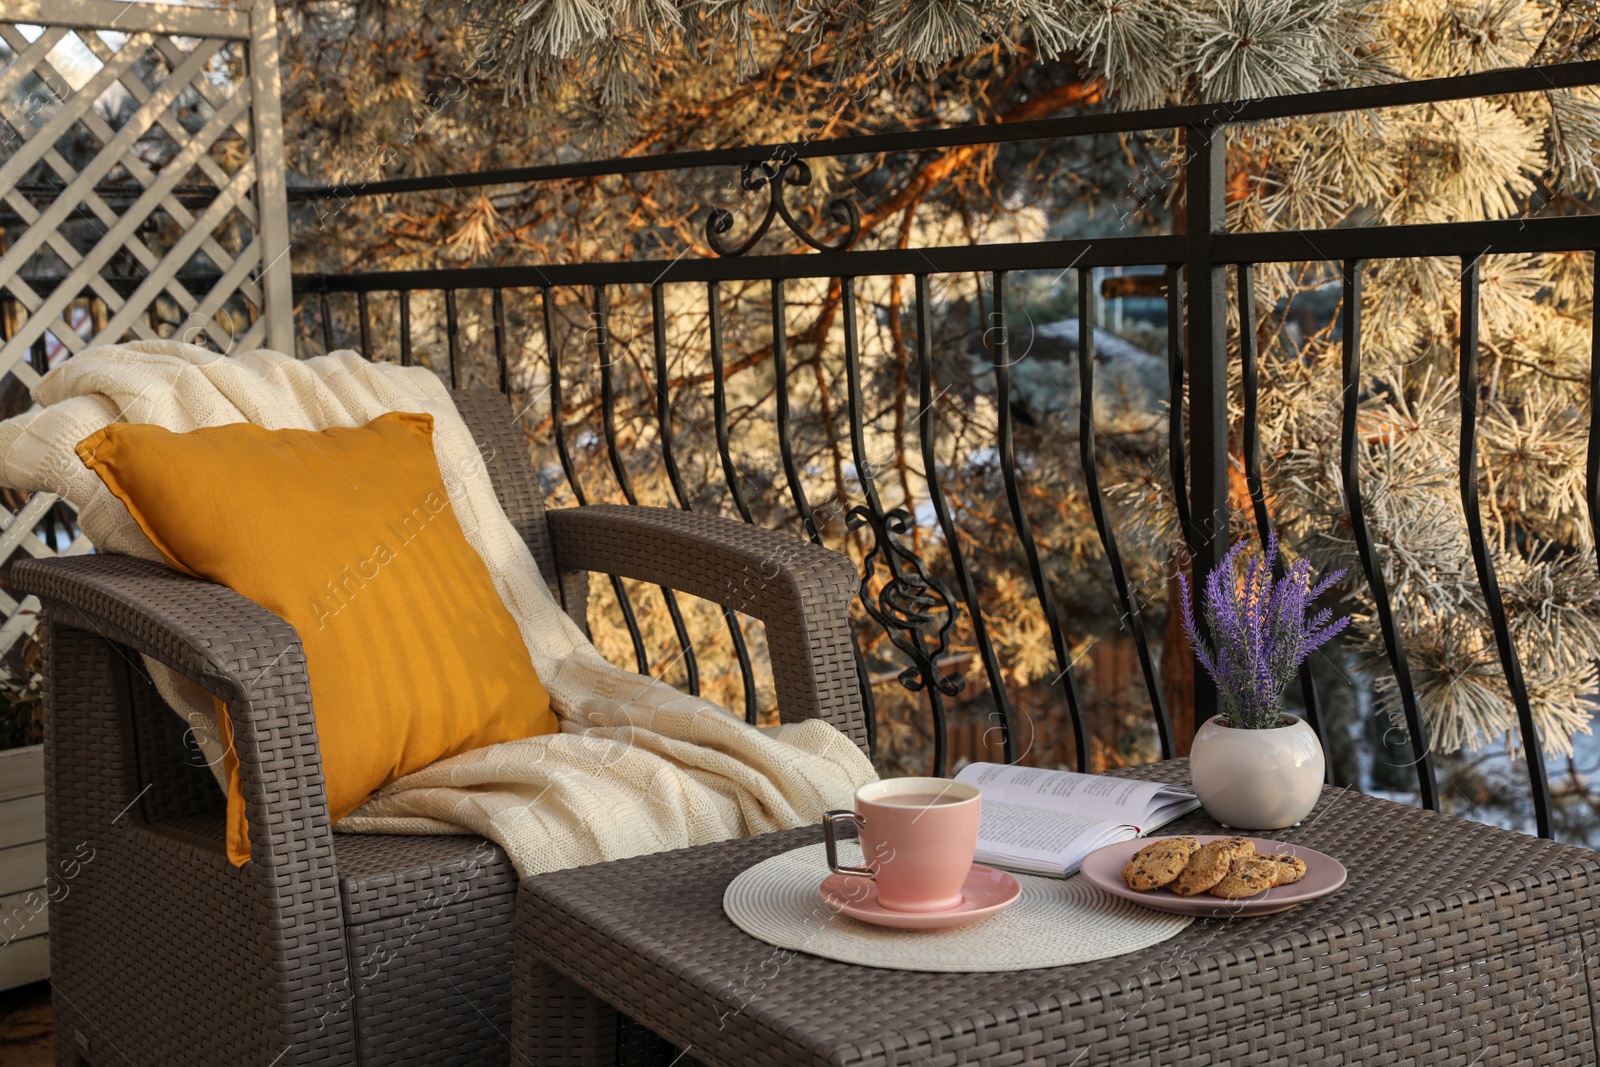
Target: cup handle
[[830, 836]]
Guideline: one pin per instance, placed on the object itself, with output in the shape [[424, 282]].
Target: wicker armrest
[[286, 899], [800, 592], [234, 649]]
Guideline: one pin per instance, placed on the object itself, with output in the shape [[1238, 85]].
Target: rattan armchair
[[325, 948]]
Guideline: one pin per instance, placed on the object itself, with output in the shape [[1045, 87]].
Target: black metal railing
[[918, 602]]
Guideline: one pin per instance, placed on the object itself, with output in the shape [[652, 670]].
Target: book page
[[1034, 838], [1090, 797]]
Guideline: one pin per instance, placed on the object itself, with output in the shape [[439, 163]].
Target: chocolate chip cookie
[[1210, 864], [1158, 863], [1290, 869], [1246, 877]]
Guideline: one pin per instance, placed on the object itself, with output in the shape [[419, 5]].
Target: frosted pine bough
[[1145, 49]]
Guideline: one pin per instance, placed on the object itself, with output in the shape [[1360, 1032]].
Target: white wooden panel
[[24, 620], [163, 57], [29, 57], [21, 868], [24, 915], [62, 208], [163, 275], [22, 962], [276, 279], [21, 820], [21, 772], [129, 17]]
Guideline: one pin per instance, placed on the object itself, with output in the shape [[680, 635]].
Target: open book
[[1045, 822]]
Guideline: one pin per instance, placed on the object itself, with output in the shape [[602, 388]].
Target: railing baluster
[[658, 320], [1187, 557], [1175, 386], [364, 314], [1488, 581], [452, 333], [1592, 480], [570, 469], [780, 371], [869, 490], [557, 426], [405, 328], [1250, 370], [1097, 505], [1000, 352], [719, 406], [719, 400], [327, 321], [669, 459], [1205, 177], [608, 413], [780, 360], [854, 401], [1350, 474], [930, 461], [498, 307], [720, 415]]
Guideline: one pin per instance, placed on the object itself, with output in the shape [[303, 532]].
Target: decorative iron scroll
[[774, 175], [901, 606]]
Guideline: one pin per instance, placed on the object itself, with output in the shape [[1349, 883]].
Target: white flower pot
[[1257, 779]]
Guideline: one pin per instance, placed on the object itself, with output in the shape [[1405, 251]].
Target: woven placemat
[[1055, 922]]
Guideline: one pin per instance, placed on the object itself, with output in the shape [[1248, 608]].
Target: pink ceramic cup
[[918, 836]]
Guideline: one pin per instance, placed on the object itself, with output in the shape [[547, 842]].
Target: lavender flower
[[1261, 631]]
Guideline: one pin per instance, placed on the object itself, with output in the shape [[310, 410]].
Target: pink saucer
[[985, 892]]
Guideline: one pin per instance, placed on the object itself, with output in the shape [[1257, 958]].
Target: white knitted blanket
[[638, 766]]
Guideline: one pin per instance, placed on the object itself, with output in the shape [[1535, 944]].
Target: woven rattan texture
[[433, 980], [1452, 943], [429, 934], [800, 592], [161, 944], [323, 949], [382, 876]]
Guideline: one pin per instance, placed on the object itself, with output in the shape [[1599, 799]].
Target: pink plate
[[985, 892], [1324, 875]]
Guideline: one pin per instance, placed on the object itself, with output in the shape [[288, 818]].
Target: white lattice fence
[[141, 195]]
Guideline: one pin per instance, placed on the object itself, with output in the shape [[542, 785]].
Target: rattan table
[[1452, 943]]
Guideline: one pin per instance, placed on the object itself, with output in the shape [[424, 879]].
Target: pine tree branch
[[922, 182]]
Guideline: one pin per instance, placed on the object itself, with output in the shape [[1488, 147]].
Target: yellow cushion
[[349, 536]]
